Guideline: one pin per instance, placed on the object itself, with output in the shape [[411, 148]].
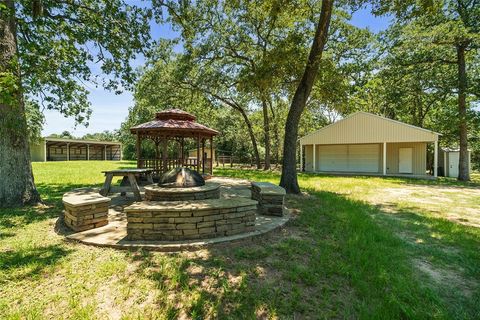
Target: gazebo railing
[[157, 164]]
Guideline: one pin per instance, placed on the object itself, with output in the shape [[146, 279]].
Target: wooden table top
[[127, 171]]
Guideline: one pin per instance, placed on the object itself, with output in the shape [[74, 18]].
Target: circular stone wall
[[172, 221], [210, 190]]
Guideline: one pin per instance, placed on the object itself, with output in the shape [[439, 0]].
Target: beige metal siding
[[363, 127], [446, 155], [37, 151], [348, 158], [309, 158], [331, 158], [419, 161]]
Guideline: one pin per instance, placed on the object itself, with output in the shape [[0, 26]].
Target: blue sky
[[110, 110]]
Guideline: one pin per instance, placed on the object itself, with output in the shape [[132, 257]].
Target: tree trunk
[[289, 173], [266, 132], [275, 135], [16, 179], [463, 173], [234, 105], [256, 154]]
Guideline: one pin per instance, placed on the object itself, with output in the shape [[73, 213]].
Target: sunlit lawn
[[357, 248]]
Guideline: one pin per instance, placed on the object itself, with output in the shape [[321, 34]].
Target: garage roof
[[364, 127]]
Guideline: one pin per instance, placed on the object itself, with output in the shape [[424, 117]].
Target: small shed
[[449, 160], [365, 143], [207, 153]]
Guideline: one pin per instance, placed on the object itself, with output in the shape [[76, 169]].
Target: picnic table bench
[[131, 174]]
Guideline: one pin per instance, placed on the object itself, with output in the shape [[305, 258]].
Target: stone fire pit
[[154, 192]]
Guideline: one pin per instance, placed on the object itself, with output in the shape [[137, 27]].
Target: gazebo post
[[198, 153], [165, 165], [157, 154], [203, 155], [211, 155], [182, 156], [138, 149]]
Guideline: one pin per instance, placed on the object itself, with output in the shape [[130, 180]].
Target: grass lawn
[[357, 248]]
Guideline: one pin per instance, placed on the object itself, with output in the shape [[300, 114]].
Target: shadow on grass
[[29, 262], [52, 197], [339, 258]]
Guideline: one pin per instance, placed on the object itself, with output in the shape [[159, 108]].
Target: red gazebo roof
[[174, 114], [174, 121]]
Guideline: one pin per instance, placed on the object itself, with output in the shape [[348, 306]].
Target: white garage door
[[349, 158], [333, 158]]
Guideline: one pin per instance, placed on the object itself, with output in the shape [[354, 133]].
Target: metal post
[[88, 152], [45, 150], [301, 157], [435, 160], [105, 153], [68, 151], [314, 156], [384, 158]]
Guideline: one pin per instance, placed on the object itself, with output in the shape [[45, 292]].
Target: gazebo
[[174, 125]]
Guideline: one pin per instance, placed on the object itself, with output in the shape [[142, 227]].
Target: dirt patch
[[459, 205], [445, 277]]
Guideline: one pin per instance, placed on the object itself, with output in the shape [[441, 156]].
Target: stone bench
[[183, 220], [270, 198], [85, 209]]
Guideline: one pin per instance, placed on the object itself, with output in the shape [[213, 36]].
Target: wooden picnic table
[[131, 174]]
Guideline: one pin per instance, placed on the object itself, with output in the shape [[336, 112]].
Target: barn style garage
[[365, 143], [58, 149]]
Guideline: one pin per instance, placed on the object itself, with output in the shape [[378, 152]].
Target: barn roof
[[364, 127]]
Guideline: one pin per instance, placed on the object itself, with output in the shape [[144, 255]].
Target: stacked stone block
[[154, 192], [184, 220], [85, 210], [270, 198]]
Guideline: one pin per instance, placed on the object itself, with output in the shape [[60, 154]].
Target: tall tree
[[448, 32], [16, 185], [289, 171], [46, 48], [245, 48]]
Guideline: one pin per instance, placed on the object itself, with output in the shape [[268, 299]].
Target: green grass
[[357, 248]]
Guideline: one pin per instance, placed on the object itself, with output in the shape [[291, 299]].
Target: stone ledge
[[114, 236], [82, 197], [185, 206]]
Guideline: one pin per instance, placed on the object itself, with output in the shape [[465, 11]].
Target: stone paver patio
[[115, 233]]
